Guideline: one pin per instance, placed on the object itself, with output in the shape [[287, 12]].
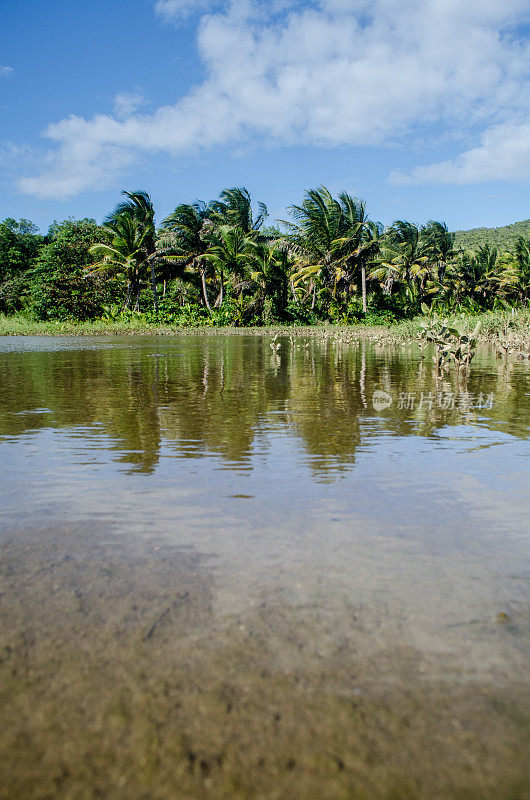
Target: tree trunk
[[204, 292], [131, 297], [363, 281], [128, 296], [153, 288], [219, 299]]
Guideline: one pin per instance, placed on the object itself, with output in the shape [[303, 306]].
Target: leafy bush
[[301, 315], [60, 286], [70, 297], [379, 318]]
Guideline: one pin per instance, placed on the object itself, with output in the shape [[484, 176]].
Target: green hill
[[502, 238]]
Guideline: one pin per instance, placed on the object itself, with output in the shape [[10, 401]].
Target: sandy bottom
[[119, 680]]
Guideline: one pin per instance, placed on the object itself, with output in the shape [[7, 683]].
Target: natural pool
[[226, 574]]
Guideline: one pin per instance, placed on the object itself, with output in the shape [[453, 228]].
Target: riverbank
[[506, 327]]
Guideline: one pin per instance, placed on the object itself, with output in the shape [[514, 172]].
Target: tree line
[[503, 238], [219, 263]]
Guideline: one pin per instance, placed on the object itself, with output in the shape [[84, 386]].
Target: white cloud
[[174, 10], [11, 153], [329, 73], [504, 154], [6, 71], [81, 164], [126, 103]]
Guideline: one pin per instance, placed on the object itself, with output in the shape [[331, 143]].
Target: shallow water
[[206, 493]]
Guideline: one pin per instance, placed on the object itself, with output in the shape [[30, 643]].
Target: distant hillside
[[502, 238]]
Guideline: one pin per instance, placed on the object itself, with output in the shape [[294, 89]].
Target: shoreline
[[506, 333]]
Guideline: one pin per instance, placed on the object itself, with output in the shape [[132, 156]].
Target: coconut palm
[[516, 269], [269, 274], [438, 245], [187, 232], [231, 253], [124, 256], [332, 238], [317, 224], [234, 208], [132, 248], [468, 278], [358, 246], [139, 207], [406, 255]]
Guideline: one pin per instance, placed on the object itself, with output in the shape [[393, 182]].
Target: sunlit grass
[[495, 325]]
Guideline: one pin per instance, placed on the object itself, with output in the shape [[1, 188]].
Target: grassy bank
[[500, 326]]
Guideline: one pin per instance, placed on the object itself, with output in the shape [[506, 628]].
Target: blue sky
[[420, 107]]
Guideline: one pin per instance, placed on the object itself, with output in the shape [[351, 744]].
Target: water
[[264, 506]]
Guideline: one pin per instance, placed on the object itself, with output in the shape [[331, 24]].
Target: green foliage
[[503, 238], [301, 315], [59, 285], [19, 247], [128, 249], [116, 313], [382, 317], [215, 263], [452, 344]]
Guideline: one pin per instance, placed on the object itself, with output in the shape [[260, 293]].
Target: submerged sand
[[119, 679]]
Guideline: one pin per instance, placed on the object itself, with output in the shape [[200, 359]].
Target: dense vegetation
[[504, 237], [217, 263]]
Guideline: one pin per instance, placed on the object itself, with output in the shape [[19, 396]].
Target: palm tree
[[405, 255], [270, 269], [332, 239], [216, 235], [317, 225], [124, 256], [187, 232], [517, 270], [231, 252], [438, 245], [469, 276], [132, 250], [140, 207], [234, 208], [359, 245]]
